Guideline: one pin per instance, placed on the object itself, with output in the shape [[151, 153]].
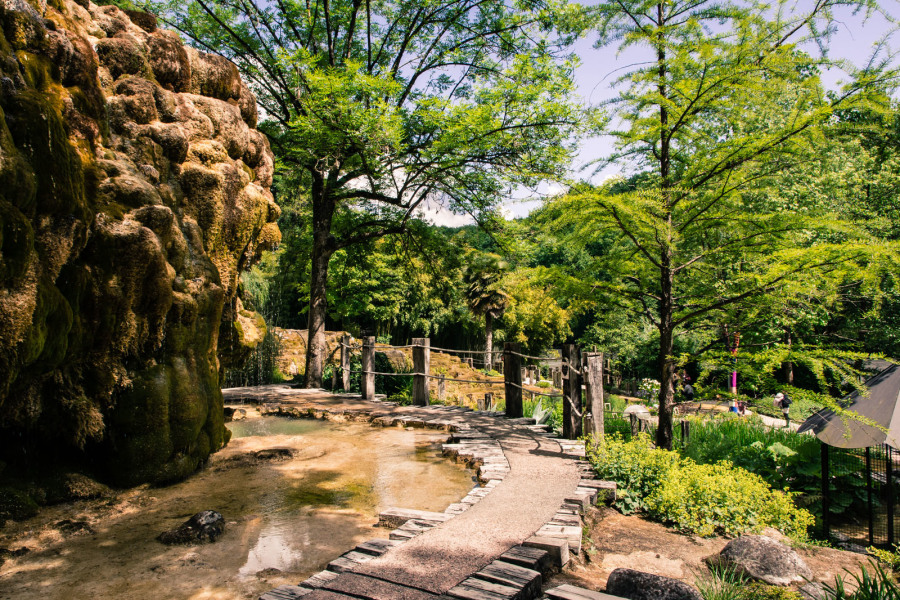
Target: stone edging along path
[[500, 541]]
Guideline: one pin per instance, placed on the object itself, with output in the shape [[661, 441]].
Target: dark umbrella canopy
[[880, 406]]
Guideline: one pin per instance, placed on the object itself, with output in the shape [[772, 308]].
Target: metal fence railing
[[859, 494]]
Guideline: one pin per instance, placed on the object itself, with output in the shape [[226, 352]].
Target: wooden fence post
[[345, 362], [571, 392], [367, 384], [488, 400], [421, 362], [593, 371], [512, 379], [442, 390]]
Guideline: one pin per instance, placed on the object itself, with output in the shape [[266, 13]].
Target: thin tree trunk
[[488, 340], [788, 366], [323, 248]]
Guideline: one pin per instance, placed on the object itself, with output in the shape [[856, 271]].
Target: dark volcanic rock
[[764, 559], [205, 526], [69, 527], [127, 214], [636, 585], [275, 454]]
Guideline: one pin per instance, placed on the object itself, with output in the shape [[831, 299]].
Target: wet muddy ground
[[287, 516]]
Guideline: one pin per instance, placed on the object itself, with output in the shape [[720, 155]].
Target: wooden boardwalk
[[501, 541]]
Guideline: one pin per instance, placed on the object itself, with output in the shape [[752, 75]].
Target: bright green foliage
[[722, 499], [700, 498], [723, 103], [890, 559], [782, 458], [376, 109], [534, 318]]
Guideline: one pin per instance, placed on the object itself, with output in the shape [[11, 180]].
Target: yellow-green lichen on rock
[[135, 189]]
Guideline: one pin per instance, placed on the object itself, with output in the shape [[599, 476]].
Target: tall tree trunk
[[488, 340], [666, 361], [323, 248], [666, 305]]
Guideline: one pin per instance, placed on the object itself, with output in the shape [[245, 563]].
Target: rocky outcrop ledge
[[134, 189]]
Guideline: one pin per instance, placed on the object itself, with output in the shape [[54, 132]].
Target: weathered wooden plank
[[558, 548], [536, 559], [319, 579], [478, 589], [528, 580], [571, 592], [362, 586], [376, 546], [285, 592], [570, 534], [395, 517], [348, 561]]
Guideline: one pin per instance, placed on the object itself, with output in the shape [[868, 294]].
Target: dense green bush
[[617, 425], [783, 458], [703, 499]]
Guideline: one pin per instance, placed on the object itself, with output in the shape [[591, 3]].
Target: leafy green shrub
[[890, 559], [634, 465], [618, 426], [616, 403], [783, 458], [704, 499], [720, 498], [543, 384]]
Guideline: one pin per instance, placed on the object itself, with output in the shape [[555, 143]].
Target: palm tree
[[485, 296]]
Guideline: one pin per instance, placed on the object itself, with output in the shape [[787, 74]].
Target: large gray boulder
[[636, 585], [764, 559]]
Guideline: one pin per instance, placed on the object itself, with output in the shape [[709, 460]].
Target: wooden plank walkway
[[501, 541]]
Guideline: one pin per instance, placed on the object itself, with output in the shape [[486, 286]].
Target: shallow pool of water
[[286, 518]]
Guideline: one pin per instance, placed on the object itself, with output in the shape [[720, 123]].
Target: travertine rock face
[[134, 189]]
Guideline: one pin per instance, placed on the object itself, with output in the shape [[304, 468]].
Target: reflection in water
[[389, 468], [286, 519], [277, 546]]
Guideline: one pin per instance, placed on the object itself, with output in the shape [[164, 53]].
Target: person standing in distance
[[784, 401]]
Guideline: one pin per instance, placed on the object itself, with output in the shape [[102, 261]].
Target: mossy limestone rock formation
[[134, 189]]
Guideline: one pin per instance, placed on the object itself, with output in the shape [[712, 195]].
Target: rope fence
[[572, 375]]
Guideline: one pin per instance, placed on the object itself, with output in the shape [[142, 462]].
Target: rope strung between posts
[[422, 375], [566, 362], [574, 408], [462, 351], [545, 358], [534, 393]]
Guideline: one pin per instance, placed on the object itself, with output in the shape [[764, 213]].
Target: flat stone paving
[[543, 486]]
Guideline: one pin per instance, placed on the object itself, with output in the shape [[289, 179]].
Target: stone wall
[[134, 189]]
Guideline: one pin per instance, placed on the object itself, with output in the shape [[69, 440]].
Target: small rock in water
[[7, 553], [70, 527], [205, 526], [234, 414], [270, 572], [275, 454]]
